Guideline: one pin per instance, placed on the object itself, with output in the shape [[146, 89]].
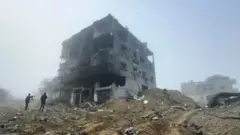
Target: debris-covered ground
[[165, 113]]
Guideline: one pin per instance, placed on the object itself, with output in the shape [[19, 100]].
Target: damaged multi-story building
[[199, 91], [105, 61]]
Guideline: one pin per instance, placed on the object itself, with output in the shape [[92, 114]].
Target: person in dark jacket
[[27, 100], [43, 101]]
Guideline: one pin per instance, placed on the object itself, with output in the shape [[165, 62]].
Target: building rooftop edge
[[112, 17]]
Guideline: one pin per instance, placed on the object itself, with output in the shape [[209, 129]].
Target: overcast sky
[[191, 39]]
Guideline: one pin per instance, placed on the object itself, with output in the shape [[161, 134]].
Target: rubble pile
[[165, 97], [156, 98], [173, 114], [222, 120]]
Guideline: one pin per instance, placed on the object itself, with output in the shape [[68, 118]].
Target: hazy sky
[[191, 39]]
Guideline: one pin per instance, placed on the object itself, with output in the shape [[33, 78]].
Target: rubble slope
[[166, 113]]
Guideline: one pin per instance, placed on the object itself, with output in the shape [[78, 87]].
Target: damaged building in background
[[199, 91], [105, 61]]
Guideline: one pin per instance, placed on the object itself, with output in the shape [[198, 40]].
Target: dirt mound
[[168, 97], [156, 98]]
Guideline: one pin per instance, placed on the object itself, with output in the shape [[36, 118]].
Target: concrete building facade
[[212, 85], [105, 61]]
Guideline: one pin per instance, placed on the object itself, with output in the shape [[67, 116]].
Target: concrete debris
[[87, 104], [119, 117], [139, 98], [145, 101], [223, 98], [155, 118], [129, 131], [101, 110]]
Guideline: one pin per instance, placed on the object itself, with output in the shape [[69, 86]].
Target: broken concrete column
[[113, 90], [96, 85], [95, 97], [72, 98]]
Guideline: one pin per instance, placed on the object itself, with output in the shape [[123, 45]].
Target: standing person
[[27, 100], [43, 101]]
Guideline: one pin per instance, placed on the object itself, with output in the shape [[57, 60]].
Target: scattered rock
[[158, 116], [129, 131], [155, 118], [14, 118]]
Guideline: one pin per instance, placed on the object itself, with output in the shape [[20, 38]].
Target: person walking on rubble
[[27, 100], [43, 101]]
